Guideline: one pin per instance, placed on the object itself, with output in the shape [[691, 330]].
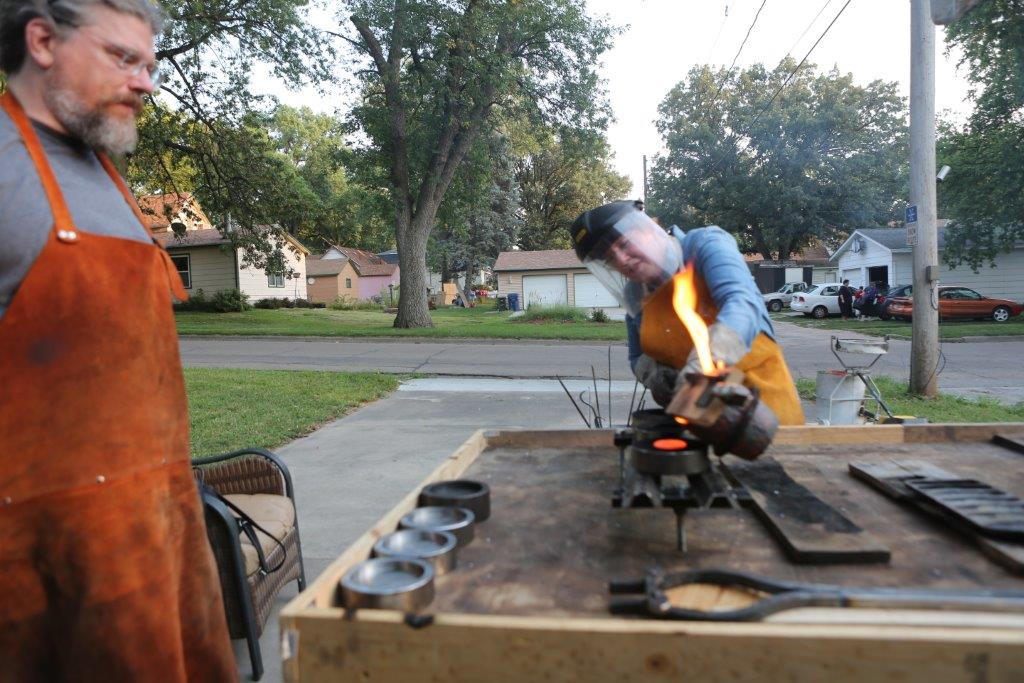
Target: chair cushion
[[274, 513]]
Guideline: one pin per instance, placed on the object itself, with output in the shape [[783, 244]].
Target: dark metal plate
[[990, 511]]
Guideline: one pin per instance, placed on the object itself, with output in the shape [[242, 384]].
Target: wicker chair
[[250, 593]]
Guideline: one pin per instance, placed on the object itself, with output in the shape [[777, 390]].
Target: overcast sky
[[665, 38]]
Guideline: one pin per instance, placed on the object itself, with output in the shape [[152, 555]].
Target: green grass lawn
[[951, 329], [945, 408], [448, 322], [232, 409]]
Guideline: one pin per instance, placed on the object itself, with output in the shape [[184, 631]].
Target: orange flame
[[684, 301]]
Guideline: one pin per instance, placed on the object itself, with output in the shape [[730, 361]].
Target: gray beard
[[103, 133]]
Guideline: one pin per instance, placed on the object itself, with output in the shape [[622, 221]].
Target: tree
[[480, 216], [825, 157], [983, 192], [207, 127], [561, 174], [435, 73]]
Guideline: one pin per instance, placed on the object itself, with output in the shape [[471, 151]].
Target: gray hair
[[15, 15]]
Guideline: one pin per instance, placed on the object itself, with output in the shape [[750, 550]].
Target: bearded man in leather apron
[[635, 259], [105, 568]]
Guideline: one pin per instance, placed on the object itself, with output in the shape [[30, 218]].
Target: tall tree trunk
[[470, 277], [411, 237]]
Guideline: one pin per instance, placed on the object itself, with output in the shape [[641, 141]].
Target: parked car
[[776, 300], [960, 303], [894, 293], [819, 302]]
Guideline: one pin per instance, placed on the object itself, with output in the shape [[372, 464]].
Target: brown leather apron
[[664, 338], [106, 572]]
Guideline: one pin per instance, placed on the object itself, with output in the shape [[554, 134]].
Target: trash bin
[[513, 301], [501, 304]]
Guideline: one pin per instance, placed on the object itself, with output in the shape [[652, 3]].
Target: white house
[[553, 277], [205, 258], [882, 255]]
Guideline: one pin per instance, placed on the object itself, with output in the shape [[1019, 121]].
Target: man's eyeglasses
[[130, 62]]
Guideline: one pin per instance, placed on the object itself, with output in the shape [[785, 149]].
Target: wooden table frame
[[321, 643]]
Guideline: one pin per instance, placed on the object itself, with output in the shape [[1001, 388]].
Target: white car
[[820, 302], [776, 300]]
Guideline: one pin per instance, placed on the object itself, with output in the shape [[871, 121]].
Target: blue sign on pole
[[911, 214]]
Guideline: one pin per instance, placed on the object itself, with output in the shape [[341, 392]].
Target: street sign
[[911, 222]]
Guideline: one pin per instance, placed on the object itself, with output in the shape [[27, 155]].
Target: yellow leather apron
[[664, 338]]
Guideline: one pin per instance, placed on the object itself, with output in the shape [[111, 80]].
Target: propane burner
[[662, 465]]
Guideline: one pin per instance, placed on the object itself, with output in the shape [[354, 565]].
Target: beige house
[[330, 279], [206, 260], [550, 278]]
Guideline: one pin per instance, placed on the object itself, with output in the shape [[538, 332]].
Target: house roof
[[551, 259], [191, 238], [318, 266], [158, 208], [893, 239], [209, 237], [366, 263], [389, 256]]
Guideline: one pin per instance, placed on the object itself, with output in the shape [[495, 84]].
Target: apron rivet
[[63, 234], [7, 500], [100, 479], [72, 235]]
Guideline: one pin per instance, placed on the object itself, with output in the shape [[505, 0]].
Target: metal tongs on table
[[785, 595]]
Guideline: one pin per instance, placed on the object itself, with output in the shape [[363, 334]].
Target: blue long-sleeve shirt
[[713, 252]]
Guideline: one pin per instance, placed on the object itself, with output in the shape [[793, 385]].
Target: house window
[[348, 283], [184, 269], [275, 280]]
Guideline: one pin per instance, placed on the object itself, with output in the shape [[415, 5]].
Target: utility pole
[[920, 215], [645, 180]]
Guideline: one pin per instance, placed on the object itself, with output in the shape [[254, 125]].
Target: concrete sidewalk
[[350, 472]]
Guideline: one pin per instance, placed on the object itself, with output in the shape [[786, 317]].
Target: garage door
[[853, 275], [590, 293], [544, 290]]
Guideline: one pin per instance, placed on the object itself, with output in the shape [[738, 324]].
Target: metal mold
[[646, 459], [456, 521], [405, 584], [435, 547], [654, 423], [462, 493]]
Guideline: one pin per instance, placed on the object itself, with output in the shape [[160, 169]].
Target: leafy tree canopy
[[826, 157], [435, 77], [984, 192]]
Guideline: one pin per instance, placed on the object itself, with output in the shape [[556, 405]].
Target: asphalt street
[[970, 369]]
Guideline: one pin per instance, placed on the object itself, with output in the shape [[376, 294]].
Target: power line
[[737, 56], [721, 26], [798, 66], [750, 126], [797, 41]]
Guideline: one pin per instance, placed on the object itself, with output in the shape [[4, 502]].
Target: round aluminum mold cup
[[401, 583], [456, 521], [436, 547], [461, 493], [647, 459]]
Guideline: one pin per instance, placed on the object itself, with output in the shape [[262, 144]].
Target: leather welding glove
[[659, 379], [726, 346]]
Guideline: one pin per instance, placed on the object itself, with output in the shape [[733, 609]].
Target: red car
[[960, 302]]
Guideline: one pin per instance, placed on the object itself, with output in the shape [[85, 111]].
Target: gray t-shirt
[[95, 203]]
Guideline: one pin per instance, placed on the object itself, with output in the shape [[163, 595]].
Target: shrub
[[306, 303], [229, 300], [346, 304], [272, 304], [598, 315], [555, 314]]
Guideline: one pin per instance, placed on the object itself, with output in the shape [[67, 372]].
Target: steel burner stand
[[663, 485]]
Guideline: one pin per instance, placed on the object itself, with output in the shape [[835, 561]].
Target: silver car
[[776, 300]]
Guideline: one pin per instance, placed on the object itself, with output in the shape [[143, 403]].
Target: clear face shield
[[635, 258]]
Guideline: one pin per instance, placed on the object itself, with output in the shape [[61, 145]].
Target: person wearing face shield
[[635, 259]]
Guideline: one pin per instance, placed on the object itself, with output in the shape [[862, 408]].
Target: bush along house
[[206, 259]]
